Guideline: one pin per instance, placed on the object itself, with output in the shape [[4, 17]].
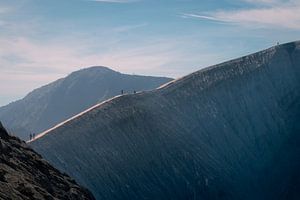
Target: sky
[[43, 40]]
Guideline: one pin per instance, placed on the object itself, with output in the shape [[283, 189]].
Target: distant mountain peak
[[55, 102], [93, 71], [97, 69]]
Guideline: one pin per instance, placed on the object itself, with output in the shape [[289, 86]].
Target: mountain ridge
[[246, 58], [55, 102], [226, 132]]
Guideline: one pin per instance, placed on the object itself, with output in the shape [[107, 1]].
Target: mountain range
[[49, 105], [229, 131]]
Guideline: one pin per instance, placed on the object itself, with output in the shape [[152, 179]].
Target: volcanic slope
[[230, 131], [24, 175], [51, 104]]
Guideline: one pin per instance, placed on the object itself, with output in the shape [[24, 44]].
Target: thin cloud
[[263, 1], [4, 10], [276, 16], [115, 1], [270, 3], [205, 17], [127, 28]]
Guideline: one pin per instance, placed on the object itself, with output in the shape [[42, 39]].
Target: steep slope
[[24, 175], [230, 131], [56, 102]]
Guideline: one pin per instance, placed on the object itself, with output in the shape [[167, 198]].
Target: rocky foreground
[[24, 174]]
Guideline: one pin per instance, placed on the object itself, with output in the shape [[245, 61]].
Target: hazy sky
[[42, 40]]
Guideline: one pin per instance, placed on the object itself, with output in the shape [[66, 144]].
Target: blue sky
[[43, 40]]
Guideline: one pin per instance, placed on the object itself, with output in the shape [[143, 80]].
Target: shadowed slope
[[24, 175], [230, 131]]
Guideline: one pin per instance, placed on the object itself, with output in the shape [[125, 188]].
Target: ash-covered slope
[[24, 175], [60, 100], [230, 131]]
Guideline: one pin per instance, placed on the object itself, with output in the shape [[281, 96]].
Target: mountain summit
[[230, 131], [60, 100]]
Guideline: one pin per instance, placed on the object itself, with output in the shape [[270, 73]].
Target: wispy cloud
[[126, 28], [32, 57], [4, 9], [274, 14], [205, 17], [115, 1], [263, 1]]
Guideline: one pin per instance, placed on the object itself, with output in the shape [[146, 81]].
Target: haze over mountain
[[24, 175], [61, 99], [230, 131]]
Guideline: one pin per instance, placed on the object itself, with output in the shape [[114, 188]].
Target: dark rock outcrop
[[53, 103], [231, 131], [24, 175]]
